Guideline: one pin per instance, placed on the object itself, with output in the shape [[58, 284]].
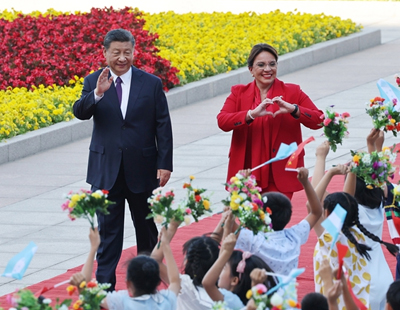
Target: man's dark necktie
[[119, 89]]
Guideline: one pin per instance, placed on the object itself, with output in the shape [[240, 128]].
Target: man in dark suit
[[131, 147]]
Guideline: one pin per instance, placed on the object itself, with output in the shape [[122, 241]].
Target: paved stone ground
[[32, 189]]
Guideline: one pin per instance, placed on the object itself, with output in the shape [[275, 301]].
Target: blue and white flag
[[285, 280], [284, 152], [17, 265], [389, 92], [334, 222]]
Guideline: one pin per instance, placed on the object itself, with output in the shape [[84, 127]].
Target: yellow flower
[[191, 177], [206, 204], [356, 158], [249, 294], [262, 215], [83, 284], [369, 186], [96, 195], [234, 206], [75, 198], [392, 120]]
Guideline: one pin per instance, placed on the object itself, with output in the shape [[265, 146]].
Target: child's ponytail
[[393, 249], [361, 248]]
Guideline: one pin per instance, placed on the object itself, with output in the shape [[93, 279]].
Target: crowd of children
[[225, 265]]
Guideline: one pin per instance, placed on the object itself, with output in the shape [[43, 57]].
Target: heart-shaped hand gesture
[[284, 107]]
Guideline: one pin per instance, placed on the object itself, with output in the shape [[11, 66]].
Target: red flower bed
[[53, 49]]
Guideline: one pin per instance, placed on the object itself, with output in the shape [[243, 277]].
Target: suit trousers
[[111, 228]]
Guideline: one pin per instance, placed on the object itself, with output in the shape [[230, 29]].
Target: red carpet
[[306, 282]]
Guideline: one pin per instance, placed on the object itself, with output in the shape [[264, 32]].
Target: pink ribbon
[[242, 264]]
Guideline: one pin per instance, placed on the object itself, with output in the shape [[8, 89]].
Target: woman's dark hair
[[244, 283], [371, 198], [257, 49], [118, 35], [350, 204], [201, 253], [313, 301], [281, 209], [144, 273], [393, 295]]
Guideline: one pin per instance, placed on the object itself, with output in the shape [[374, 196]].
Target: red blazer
[[267, 132]]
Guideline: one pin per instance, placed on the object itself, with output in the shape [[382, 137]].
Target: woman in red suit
[[262, 115]]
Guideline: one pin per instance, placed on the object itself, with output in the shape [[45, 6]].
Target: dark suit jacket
[[143, 140]]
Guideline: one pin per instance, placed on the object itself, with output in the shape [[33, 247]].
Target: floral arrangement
[[374, 168], [283, 299], [91, 295], [384, 114], [245, 203], [335, 126], [57, 49], [163, 210], [25, 299], [85, 204], [195, 204]]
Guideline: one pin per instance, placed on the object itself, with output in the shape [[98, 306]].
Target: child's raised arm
[[211, 277], [158, 253], [314, 203], [94, 238], [172, 268]]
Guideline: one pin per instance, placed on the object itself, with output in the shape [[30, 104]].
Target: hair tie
[[242, 264]]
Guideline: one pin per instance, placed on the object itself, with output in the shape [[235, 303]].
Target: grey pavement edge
[[32, 188], [65, 132]]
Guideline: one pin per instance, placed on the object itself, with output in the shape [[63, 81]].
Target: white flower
[[63, 307], [366, 159], [187, 219], [246, 203], [267, 220], [276, 300], [239, 176], [264, 199], [157, 190], [243, 195], [46, 301]]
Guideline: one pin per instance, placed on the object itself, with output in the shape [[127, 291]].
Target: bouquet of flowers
[[335, 127], [196, 205], [85, 204], [25, 299], [280, 300], [161, 207], [374, 168], [91, 295], [245, 203], [384, 114], [163, 210]]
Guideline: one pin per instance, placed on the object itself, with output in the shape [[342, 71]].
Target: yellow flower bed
[[199, 45], [204, 44], [22, 110]]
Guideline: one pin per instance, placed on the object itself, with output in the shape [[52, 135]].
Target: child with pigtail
[[358, 238]]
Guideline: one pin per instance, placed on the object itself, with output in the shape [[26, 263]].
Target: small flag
[[342, 250], [284, 152], [291, 165], [46, 289], [334, 222], [17, 265], [285, 280], [358, 302], [389, 92]]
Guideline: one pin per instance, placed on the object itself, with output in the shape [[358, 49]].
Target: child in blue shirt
[[142, 280]]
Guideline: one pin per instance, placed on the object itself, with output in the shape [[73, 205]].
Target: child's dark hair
[[144, 273], [350, 204], [393, 295], [281, 209], [244, 283], [201, 253], [313, 301], [372, 198]]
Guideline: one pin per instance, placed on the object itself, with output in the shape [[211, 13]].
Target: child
[[393, 296], [200, 254], [232, 271], [313, 301], [142, 279], [280, 249]]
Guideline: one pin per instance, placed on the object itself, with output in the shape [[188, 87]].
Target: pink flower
[[346, 114], [327, 121], [188, 211]]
